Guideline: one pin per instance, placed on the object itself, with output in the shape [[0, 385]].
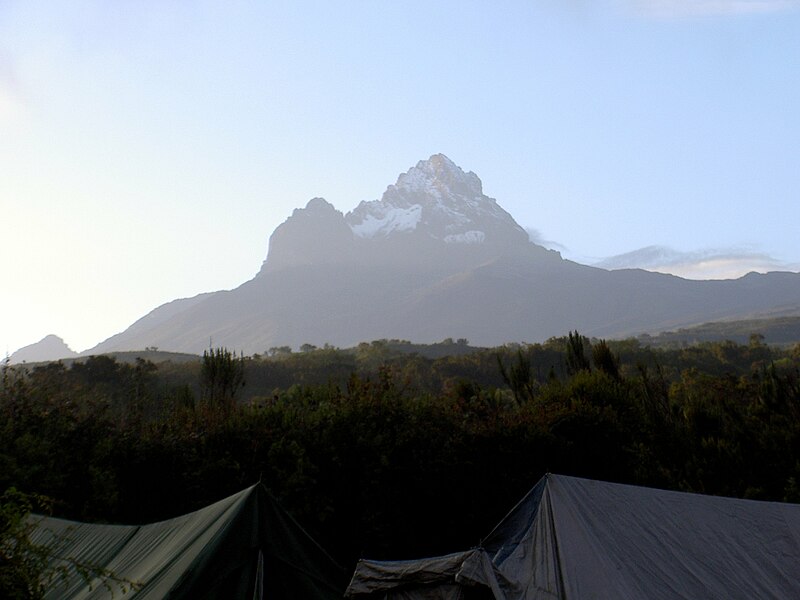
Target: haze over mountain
[[435, 258]]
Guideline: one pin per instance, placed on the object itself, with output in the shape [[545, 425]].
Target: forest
[[391, 450]]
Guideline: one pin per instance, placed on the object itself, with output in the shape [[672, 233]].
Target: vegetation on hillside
[[781, 330], [387, 453]]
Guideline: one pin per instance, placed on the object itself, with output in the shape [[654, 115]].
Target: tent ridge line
[[562, 593], [234, 508]]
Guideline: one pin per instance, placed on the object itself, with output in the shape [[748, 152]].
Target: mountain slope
[[435, 258]]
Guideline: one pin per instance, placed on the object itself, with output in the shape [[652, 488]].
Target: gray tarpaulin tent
[[572, 539], [245, 546]]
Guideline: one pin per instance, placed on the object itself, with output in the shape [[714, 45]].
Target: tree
[[576, 353], [222, 376], [605, 360], [22, 563], [518, 377], [279, 351]]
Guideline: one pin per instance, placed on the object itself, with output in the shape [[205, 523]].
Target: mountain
[[49, 348], [435, 212], [436, 258]]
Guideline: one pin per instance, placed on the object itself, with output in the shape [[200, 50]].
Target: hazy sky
[[148, 149]]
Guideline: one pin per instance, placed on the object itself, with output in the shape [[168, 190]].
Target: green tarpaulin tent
[[578, 539], [243, 547]]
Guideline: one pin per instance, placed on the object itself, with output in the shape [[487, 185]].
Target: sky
[[148, 149]]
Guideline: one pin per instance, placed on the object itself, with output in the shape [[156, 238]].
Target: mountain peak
[[318, 206], [436, 199], [437, 176], [51, 347], [316, 234]]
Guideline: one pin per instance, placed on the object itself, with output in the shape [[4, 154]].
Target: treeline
[[387, 453]]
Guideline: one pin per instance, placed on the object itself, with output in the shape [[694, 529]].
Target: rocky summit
[[438, 200], [433, 211]]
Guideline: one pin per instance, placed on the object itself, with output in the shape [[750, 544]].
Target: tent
[[245, 546], [573, 538]]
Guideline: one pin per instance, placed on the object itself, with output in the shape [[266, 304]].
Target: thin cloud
[[676, 9], [12, 101], [535, 236], [728, 263], [11, 106]]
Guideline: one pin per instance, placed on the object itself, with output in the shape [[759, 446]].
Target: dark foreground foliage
[[387, 453]]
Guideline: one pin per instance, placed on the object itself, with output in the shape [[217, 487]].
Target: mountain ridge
[[435, 258]]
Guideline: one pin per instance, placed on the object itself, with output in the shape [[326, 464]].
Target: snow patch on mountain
[[418, 180], [386, 220], [468, 237]]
